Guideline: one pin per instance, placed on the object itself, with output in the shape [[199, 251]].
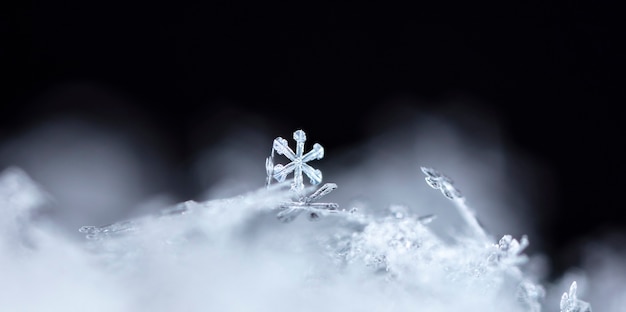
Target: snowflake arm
[[281, 147], [322, 191], [316, 153], [281, 172], [315, 175], [290, 210]]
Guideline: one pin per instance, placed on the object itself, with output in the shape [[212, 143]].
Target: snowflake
[[298, 164]]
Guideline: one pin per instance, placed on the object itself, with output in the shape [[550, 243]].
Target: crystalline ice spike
[[325, 189], [571, 303], [269, 168]]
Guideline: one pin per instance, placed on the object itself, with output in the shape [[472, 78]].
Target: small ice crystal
[[100, 232], [123, 228], [441, 182], [510, 250], [298, 164], [570, 302]]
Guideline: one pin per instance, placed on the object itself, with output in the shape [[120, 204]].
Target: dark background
[[548, 72]]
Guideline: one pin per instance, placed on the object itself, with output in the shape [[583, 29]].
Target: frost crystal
[[440, 181], [290, 210], [100, 232], [509, 250], [570, 303], [298, 164]]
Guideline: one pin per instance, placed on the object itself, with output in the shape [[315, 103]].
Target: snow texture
[[232, 254]]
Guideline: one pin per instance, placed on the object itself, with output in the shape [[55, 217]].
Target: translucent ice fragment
[[290, 210], [325, 189], [441, 182]]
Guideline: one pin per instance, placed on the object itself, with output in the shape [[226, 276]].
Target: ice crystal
[[298, 164], [99, 232], [392, 244], [571, 303], [131, 226], [290, 210], [509, 250], [442, 182]]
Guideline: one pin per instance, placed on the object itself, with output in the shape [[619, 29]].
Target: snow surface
[[380, 251]]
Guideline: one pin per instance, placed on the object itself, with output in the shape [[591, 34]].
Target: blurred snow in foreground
[[229, 252]]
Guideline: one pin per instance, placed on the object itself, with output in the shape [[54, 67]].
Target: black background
[[548, 72]]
